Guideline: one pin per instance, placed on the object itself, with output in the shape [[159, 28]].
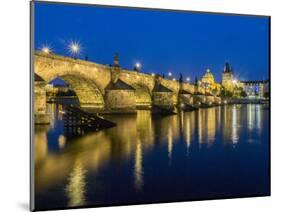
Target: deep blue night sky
[[162, 41]]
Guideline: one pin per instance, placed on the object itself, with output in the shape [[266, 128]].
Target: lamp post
[[138, 66]]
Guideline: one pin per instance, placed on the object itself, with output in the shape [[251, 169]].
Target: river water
[[219, 152]]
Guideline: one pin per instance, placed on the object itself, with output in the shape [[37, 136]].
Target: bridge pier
[[217, 100], [185, 101], [120, 98], [162, 96], [41, 117], [209, 100], [198, 99]]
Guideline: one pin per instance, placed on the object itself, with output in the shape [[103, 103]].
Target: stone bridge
[[90, 80]]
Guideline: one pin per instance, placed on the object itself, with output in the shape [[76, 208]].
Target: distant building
[[258, 88], [209, 83], [228, 80], [255, 88]]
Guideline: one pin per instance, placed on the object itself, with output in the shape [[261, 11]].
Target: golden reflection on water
[[131, 140], [206, 126], [41, 143], [170, 142], [76, 187], [138, 169], [234, 126], [62, 141], [251, 116]]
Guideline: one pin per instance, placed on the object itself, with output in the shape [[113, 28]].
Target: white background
[[14, 97]]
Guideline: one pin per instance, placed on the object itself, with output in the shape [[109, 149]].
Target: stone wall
[[186, 98], [198, 99], [120, 100], [210, 100], [163, 99], [40, 103]]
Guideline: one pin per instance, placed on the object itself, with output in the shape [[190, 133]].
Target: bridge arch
[[87, 92]]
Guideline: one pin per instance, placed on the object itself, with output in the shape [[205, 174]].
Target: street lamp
[[187, 79], [170, 74], [46, 50], [153, 74], [137, 66], [74, 48]]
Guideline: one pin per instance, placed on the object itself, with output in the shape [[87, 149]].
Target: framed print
[[138, 105]]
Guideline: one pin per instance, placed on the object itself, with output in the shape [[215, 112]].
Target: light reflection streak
[[199, 127], [188, 133], [170, 143], [234, 133], [250, 117], [138, 169], [76, 187]]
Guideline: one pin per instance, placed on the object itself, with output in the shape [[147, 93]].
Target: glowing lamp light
[[138, 65], [225, 102], [174, 79], [234, 81], [46, 50], [182, 105], [187, 79], [153, 74], [170, 74], [74, 48]]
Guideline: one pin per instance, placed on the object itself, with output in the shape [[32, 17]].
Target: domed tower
[[227, 77], [208, 78]]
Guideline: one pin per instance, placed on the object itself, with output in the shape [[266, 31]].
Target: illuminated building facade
[[209, 83], [228, 78]]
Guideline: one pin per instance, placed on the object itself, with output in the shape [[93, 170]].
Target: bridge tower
[[227, 77]]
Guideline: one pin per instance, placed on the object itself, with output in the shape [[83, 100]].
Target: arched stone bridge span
[[89, 80]]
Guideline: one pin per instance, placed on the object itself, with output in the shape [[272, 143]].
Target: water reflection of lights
[[258, 115], [199, 126], [138, 169], [143, 134], [211, 125], [234, 126], [188, 133], [75, 188], [170, 142], [250, 117], [61, 141], [41, 143]]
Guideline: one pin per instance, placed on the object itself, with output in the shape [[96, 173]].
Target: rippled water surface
[[218, 152]]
